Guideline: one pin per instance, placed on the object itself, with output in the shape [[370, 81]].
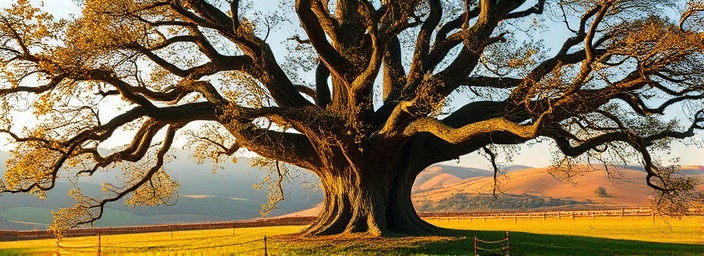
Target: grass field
[[582, 236]]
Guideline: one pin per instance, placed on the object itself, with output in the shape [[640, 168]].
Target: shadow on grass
[[522, 243], [460, 242], [448, 242]]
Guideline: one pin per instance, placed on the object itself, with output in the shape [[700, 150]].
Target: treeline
[[464, 202]]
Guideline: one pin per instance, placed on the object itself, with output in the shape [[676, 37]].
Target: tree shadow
[[461, 242], [524, 243]]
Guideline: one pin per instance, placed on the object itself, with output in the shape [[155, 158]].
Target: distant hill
[[225, 195], [628, 190], [512, 168], [440, 175], [692, 170]]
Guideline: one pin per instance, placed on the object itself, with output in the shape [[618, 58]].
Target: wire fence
[[14, 235], [492, 247], [256, 246], [544, 215]]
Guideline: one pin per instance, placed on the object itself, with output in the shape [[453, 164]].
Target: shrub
[[601, 192]]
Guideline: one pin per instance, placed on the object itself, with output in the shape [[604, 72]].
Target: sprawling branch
[[563, 57], [475, 39], [536, 9], [35, 89], [587, 65], [394, 74], [137, 149], [458, 135], [165, 147], [322, 89], [334, 61], [419, 64], [693, 8], [265, 67]]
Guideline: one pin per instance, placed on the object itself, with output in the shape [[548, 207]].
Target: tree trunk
[[368, 201]]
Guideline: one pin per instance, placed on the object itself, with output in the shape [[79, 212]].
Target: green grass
[[582, 236], [688, 230]]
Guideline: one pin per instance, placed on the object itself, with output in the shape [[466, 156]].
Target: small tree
[[601, 192]]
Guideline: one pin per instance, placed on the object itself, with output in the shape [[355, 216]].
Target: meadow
[[552, 236]]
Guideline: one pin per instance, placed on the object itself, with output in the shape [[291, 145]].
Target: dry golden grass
[[589, 236], [688, 230]]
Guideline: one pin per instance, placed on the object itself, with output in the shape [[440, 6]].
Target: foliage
[[601, 192], [465, 202]]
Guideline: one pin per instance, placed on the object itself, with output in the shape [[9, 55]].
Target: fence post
[[99, 243], [265, 249], [475, 245], [508, 244]]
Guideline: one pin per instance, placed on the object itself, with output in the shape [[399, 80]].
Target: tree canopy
[[369, 94]]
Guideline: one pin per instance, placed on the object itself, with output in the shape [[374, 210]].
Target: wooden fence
[[623, 212], [10, 235], [502, 246], [255, 246]]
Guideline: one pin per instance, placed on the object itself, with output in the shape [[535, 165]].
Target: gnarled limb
[[335, 62], [419, 65], [394, 74], [461, 134], [94, 208]]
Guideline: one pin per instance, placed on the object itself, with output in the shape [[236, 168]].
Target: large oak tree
[[362, 100]]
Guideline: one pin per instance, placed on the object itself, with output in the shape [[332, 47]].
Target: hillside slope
[[625, 187], [440, 175], [204, 196]]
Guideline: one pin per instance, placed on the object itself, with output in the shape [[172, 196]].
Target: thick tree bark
[[371, 201]]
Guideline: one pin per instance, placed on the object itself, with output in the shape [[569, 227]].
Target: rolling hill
[[438, 176], [204, 196], [625, 187]]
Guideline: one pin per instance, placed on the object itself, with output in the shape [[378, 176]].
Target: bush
[[601, 192], [481, 202]]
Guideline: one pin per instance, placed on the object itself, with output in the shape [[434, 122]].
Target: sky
[[536, 156]]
